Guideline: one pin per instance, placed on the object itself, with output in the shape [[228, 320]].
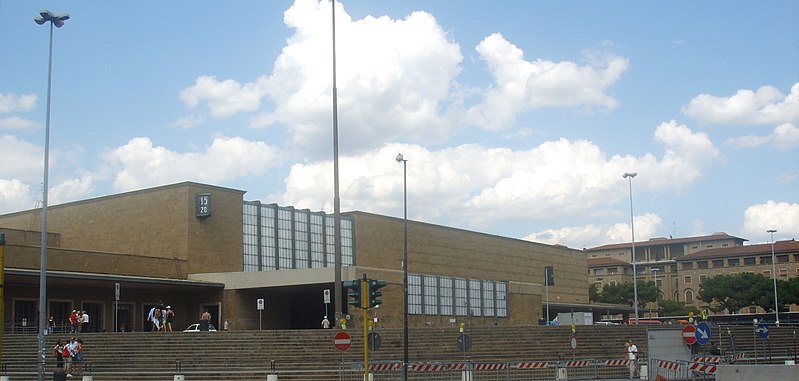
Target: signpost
[[762, 329], [703, 333], [259, 304], [689, 334], [342, 341]]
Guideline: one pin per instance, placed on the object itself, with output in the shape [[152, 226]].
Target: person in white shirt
[[632, 355], [84, 322]]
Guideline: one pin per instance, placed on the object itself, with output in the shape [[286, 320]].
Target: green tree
[[676, 308], [623, 293], [733, 292], [593, 293]]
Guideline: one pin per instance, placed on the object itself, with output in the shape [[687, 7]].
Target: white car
[[196, 328]]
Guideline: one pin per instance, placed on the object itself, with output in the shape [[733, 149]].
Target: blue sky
[[517, 118]]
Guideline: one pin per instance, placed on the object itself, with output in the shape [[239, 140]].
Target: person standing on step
[[325, 323], [84, 322], [58, 352], [632, 355], [205, 320], [170, 316]]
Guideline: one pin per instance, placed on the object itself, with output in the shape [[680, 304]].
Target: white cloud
[[521, 85], [71, 189], [782, 216], [14, 102], [592, 235], [766, 105], [16, 123], [139, 164], [474, 186], [223, 98], [14, 196], [21, 160], [784, 137], [187, 122]]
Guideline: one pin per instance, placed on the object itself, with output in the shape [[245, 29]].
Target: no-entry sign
[[342, 341], [689, 334]]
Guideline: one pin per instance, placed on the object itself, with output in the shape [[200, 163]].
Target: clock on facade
[[202, 205]]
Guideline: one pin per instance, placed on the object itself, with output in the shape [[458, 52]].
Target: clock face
[[202, 205]]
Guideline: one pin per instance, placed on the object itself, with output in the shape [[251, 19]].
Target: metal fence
[[699, 368], [505, 371]]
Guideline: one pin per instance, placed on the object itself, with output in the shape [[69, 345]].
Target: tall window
[[689, 296], [414, 294], [488, 298], [461, 297], [475, 298], [277, 237], [445, 288], [430, 295]]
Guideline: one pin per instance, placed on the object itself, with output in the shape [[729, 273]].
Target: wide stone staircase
[[311, 355]]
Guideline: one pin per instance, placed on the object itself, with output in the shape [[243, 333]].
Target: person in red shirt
[[73, 322]]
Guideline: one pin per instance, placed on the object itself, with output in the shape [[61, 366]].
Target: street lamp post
[[774, 278], [629, 176], [56, 20], [657, 291], [401, 159]]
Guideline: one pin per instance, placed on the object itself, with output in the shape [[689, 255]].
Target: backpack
[[66, 351]]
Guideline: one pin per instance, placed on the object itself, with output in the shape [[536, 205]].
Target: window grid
[[277, 237], [414, 294], [445, 296], [430, 295]]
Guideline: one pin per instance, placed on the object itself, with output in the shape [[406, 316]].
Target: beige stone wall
[[157, 223], [439, 250]]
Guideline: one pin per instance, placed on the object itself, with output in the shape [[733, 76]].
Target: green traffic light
[[374, 292], [353, 292]]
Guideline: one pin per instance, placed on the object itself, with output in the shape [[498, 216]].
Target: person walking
[[632, 355], [170, 316], [58, 352], [84, 322]]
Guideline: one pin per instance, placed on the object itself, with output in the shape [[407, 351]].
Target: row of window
[[278, 238], [736, 262], [446, 296]]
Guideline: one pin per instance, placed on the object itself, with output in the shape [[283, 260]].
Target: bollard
[[466, 375], [87, 378], [179, 377], [271, 376], [643, 371]]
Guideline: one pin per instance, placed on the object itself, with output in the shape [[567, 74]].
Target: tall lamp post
[[629, 176], [401, 159], [56, 20], [657, 291], [774, 277]]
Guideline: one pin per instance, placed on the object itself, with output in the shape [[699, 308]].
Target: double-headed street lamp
[[629, 176], [56, 20], [401, 159], [774, 278]]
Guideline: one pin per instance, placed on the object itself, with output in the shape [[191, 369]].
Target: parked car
[[196, 328]]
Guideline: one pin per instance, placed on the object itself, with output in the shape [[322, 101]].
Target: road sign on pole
[[762, 329], [689, 334], [342, 341], [702, 333], [573, 343]]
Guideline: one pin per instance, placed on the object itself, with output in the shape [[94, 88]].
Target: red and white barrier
[[707, 359], [532, 365], [384, 367], [457, 366], [670, 365], [426, 367], [578, 363], [490, 366], [617, 362], [702, 368]]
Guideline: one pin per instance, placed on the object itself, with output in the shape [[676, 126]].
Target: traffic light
[[550, 275], [353, 292], [375, 293]]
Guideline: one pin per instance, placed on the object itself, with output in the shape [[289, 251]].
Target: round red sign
[[342, 341], [689, 334]]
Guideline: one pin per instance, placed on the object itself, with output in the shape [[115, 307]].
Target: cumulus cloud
[[521, 85], [766, 105], [71, 189], [15, 123], [592, 235], [139, 164], [223, 98], [14, 196], [14, 102], [21, 160], [784, 137], [782, 216], [475, 186]]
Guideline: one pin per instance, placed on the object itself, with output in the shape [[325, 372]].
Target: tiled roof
[[606, 261], [780, 247], [667, 241]]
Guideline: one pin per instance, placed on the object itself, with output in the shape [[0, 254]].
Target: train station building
[[200, 247]]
